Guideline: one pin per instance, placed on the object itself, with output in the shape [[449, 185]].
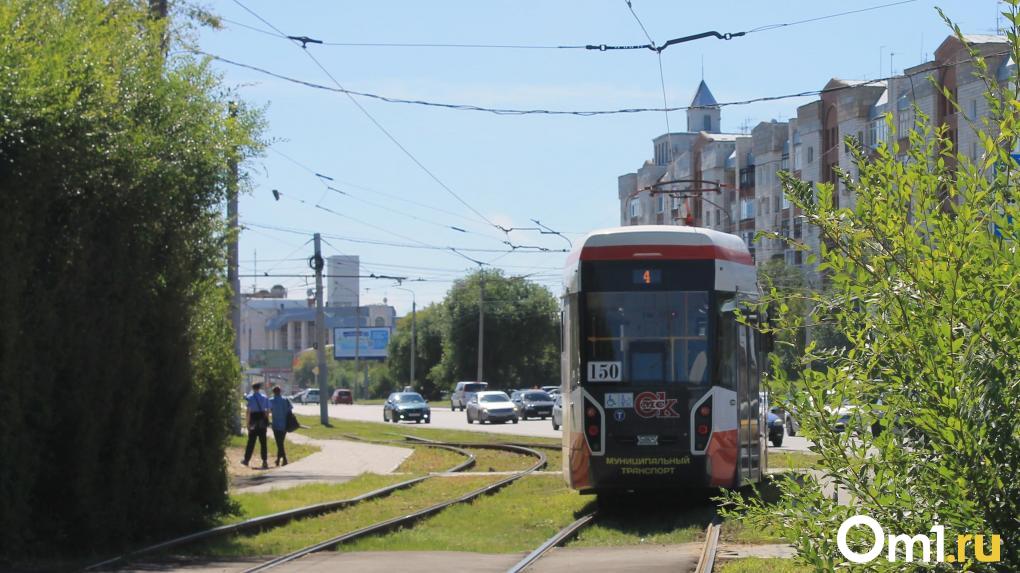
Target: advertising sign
[[271, 360], [372, 344]]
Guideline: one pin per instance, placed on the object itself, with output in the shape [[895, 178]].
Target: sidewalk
[[337, 461]]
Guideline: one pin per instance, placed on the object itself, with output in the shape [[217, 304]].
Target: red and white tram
[[660, 381]]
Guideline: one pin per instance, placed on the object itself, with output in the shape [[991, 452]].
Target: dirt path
[[336, 461]]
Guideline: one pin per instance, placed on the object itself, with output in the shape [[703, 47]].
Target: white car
[[557, 412], [491, 407]]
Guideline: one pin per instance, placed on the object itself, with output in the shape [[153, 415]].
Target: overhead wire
[[395, 197], [304, 232], [322, 179], [372, 118], [517, 111], [601, 47]]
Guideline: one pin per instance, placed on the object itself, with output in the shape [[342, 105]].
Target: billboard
[[373, 343], [271, 360]]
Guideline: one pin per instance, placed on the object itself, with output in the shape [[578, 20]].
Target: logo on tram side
[[655, 405]]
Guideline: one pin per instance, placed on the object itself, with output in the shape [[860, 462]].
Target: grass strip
[[250, 505], [427, 460], [305, 532], [518, 518], [762, 565], [793, 460]]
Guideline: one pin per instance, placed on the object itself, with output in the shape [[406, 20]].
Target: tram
[[660, 381]]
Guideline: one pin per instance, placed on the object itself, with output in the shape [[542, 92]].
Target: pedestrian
[[258, 423], [280, 408]]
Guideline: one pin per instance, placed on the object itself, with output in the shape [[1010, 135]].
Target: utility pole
[[481, 321], [413, 329], [320, 333], [233, 278], [357, 345]]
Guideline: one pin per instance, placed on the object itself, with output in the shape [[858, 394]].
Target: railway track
[[397, 522], [706, 562], [706, 558], [280, 518], [555, 541]]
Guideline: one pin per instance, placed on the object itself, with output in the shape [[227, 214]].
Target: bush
[[924, 293], [115, 355]]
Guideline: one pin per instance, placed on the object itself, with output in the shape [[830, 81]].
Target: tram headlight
[[592, 412]]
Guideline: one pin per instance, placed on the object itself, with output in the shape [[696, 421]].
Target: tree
[[788, 287], [428, 355], [521, 333], [924, 292], [115, 161]]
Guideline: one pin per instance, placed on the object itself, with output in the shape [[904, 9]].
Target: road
[[442, 417]]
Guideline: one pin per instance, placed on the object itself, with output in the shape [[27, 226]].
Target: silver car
[[463, 393], [557, 412], [491, 407]]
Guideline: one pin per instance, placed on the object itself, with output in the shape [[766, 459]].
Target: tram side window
[[727, 351]]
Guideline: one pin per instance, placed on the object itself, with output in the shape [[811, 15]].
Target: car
[[407, 406], [532, 403], [557, 412], [310, 396], [775, 427], [493, 406], [463, 392], [551, 389], [343, 396]]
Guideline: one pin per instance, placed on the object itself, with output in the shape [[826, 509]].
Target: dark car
[[532, 403], [407, 406], [343, 396], [775, 428]]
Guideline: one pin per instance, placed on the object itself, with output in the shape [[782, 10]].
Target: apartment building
[[731, 182]]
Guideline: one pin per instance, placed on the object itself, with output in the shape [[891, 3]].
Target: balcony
[[747, 176]]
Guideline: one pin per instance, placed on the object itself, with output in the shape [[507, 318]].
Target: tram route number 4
[[604, 371]]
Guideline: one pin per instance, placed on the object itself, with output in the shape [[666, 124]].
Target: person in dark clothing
[[258, 423], [280, 407]]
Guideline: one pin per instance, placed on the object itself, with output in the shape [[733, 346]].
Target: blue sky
[[560, 170]]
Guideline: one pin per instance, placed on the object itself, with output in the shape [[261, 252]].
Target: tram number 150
[[604, 371]]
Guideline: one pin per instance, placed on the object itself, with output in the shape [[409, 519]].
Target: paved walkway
[[336, 461]]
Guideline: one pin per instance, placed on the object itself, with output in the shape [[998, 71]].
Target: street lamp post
[[413, 329]]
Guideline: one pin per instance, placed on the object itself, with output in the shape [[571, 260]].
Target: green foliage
[[521, 333], [925, 295], [428, 354], [788, 287], [114, 162], [371, 378]]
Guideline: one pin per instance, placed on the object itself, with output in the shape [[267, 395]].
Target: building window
[[973, 108], [707, 122], [810, 154], [775, 203], [634, 209], [659, 204], [746, 208], [380, 321]]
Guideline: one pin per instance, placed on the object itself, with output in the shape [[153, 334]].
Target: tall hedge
[[116, 366]]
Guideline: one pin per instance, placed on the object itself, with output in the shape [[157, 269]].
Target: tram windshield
[[655, 337]]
